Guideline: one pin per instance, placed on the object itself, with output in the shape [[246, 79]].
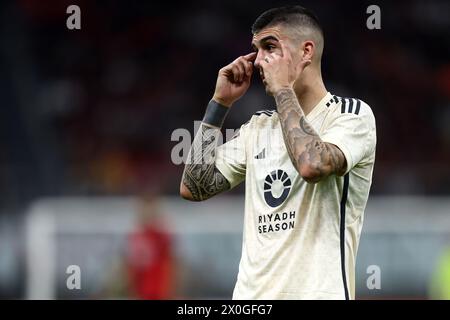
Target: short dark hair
[[291, 15]]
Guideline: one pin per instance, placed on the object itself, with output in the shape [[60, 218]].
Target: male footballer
[[307, 165]]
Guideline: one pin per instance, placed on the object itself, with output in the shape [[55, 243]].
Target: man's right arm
[[201, 179]]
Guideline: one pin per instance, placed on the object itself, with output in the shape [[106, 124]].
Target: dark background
[[90, 112]]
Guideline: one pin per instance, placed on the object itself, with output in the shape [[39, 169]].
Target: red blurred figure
[[149, 260]]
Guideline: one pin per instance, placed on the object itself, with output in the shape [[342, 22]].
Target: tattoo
[[306, 127], [200, 175], [302, 142]]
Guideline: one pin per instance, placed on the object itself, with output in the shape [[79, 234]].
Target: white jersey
[[300, 240]]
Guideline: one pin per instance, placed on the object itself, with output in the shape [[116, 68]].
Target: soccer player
[[308, 165]]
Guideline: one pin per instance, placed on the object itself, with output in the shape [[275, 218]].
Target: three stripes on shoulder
[[348, 105]]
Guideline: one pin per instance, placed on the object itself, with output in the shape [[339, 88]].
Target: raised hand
[[281, 71], [234, 80]]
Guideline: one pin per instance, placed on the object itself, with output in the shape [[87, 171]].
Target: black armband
[[215, 114]]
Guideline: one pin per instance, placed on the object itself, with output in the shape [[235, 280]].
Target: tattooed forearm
[[305, 148], [200, 175], [306, 127]]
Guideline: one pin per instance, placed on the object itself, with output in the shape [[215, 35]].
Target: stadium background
[[86, 176]]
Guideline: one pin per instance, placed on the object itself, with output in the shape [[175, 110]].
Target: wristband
[[215, 114]]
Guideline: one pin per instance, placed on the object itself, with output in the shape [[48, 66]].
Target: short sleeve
[[353, 134], [231, 158]]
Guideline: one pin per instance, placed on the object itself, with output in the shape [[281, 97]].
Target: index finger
[[284, 49], [250, 57]]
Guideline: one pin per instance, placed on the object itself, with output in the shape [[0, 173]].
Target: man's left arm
[[313, 158]]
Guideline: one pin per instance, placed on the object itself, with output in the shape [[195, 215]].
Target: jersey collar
[[319, 107]]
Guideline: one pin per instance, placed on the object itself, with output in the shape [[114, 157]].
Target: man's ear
[[309, 49]]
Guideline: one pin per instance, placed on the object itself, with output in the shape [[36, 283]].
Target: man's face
[[267, 42]]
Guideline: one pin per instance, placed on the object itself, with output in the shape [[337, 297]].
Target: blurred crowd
[[91, 111]]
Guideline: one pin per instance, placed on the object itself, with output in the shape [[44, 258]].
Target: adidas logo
[[261, 155]]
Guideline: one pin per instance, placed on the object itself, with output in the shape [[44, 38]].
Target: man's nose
[[258, 59]]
